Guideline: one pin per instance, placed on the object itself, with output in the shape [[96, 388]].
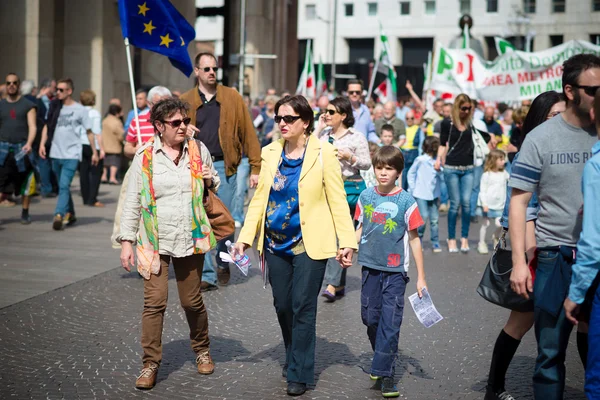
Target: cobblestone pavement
[[82, 340]]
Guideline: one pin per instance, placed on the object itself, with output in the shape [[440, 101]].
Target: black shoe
[[474, 219], [388, 389], [284, 370], [296, 388], [490, 394]]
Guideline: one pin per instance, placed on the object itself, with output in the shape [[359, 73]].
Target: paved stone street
[[70, 327]]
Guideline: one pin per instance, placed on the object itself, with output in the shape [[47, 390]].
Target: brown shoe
[[206, 366], [223, 275], [147, 378], [207, 287]]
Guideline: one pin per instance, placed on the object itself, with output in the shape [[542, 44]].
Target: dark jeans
[[592, 371], [296, 282], [382, 308], [89, 176], [460, 186], [552, 329]]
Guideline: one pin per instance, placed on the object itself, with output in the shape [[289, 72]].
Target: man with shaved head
[[493, 126], [389, 118]]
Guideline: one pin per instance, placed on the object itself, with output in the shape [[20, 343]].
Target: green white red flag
[[307, 83]]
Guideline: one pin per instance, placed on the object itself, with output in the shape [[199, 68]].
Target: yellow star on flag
[[165, 40], [182, 41], [143, 9], [149, 27]]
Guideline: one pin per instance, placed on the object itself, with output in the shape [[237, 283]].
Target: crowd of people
[[336, 176]]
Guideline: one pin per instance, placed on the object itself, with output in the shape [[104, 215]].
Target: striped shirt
[[146, 129]]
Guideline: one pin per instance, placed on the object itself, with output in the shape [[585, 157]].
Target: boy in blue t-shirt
[[388, 221]]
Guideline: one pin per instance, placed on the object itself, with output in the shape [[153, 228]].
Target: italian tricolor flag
[[307, 83], [386, 91], [503, 45], [321, 80]]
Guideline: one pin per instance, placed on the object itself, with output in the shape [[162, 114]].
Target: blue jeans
[[443, 190], [296, 281], [382, 309], [592, 371], [44, 169], [429, 209], [64, 170], [237, 206], [552, 329], [460, 186], [477, 173], [225, 193]]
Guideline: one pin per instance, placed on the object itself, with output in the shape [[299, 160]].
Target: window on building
[[492, 6], [372, 7], [405, 8], [361, 50], [430, 7], [529, 6], [465, 6], [311, 12], [349, 9], [558, 6], [556, 40], [595, 5], [595, 38]]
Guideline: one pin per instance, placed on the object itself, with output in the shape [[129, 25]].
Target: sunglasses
[[61, 90], [176, 122], [351, 92], [330, 112], [589, 90], [8, 83], [465, 109], [409, 118], [288, 119], [207, 69]]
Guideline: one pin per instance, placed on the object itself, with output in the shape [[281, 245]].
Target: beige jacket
[[112, 134]]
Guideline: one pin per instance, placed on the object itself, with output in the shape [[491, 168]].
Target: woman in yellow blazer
[[300, 214]]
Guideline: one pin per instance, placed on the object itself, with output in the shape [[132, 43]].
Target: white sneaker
[[238, 224], [482, 248]]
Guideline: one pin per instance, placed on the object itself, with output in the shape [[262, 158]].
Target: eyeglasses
[[465, 109], [207, 69], [589, 90], [351, 92], [288, 119], [176, 122], [330, 112], [8, 83]]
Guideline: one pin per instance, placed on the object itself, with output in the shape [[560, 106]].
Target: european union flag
[[157, 26]]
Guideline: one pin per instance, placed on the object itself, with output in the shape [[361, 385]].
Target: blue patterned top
[[283, 232]]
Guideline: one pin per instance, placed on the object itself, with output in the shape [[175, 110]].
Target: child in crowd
[[492, 196], [424, 184], [387, 135], [388, 221], [369, 175]]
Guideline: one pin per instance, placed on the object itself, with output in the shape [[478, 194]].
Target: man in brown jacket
[[225, 127]]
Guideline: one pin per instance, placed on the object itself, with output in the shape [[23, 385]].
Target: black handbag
[[495, 282]]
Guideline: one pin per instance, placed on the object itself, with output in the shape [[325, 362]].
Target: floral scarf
[[202, 235]]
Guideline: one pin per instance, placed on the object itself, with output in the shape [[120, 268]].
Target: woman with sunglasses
[[164, 216], [335, 126], [301, 216], [547, 105], [457, 157]]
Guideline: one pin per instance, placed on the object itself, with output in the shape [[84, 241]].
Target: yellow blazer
[[325, 218]]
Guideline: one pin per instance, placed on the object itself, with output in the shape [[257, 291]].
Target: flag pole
[[135, 111], [373, 75]]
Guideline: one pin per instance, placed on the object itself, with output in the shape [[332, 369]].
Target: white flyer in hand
[[424, 308]]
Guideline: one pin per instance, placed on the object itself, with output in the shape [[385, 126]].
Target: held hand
[[571, 310], [421, 284], [26, 148], [520, 280], [239, 248], [127, 258], [486, 209], [253, 181], [344, 154], [438, 164], [95, 159], [191, 131], [42, 152], [344, 257]]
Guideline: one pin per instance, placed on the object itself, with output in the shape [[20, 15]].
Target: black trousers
[[89, 176]]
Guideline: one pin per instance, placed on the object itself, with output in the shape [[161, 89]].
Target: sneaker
[[474, 219], [223, 276], [206, 366], [25, 219], [437, 248], [238, 224], [388, 389], [57, 225], [490, 394], [374, 377], [69, 219], [147, 378], [482, 248]]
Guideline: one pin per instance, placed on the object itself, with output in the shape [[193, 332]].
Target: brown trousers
[[188, 272]]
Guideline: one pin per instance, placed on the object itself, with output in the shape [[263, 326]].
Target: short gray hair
[[160, 91], [27, 87]]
